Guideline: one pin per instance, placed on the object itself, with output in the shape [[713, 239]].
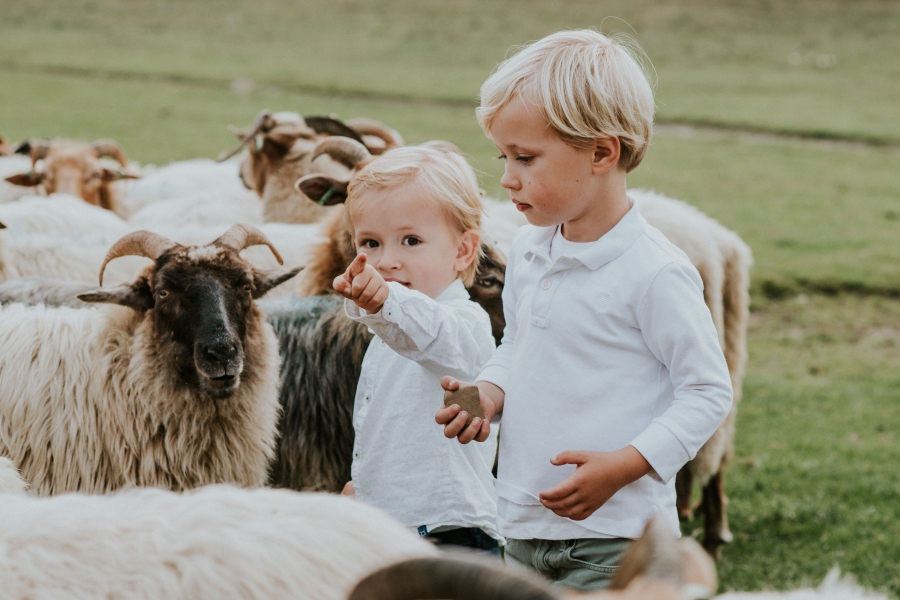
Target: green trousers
[[585, 564]]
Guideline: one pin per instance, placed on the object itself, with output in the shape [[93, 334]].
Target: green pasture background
[[779, 118]]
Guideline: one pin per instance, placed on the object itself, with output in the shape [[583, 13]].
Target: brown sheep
[[74, 168], [281, 153]]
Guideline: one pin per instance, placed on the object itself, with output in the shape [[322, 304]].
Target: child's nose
[[509, 181], [389, 259]]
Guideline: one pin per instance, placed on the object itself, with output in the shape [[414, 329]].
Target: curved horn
[[138, 243], [262, 121], [243, 236], [111, 148], [343, 150], [364, 126], [449, 579], [36, 149]]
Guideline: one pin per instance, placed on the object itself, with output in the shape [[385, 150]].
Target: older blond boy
[[609, 376]]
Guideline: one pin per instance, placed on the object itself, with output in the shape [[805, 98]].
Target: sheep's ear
[[323, 190], [29, 179], [116, 175], [136, 296], [263, 281]]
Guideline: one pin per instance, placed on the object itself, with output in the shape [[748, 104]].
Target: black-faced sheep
[[281, 153], [74, 168], [175, 387]]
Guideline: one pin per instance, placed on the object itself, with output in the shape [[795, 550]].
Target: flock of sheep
[[180, 375]]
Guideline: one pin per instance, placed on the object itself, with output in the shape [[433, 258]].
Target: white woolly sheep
[[224, 542], [10, 480], [75, 168], [188, 181], [176, 387], [281, 153]]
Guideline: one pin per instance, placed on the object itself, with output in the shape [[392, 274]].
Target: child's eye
[[524, 159], [502, 157], [369, 244], [411, 240]]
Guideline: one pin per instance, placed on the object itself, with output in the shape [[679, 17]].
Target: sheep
[[188, 181], [75, 168], [216, 542], [225, 542], [723, 261], [174, 386], [9, 166], [280, 154], [62, 236]]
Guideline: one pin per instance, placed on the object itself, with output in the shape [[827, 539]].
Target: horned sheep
[[175, 386], [281, 153], [75, 168]]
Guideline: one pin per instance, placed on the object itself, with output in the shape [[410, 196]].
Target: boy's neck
[[610, 205]]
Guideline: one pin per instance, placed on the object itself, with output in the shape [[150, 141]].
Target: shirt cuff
[[495, 374], [662, 450]]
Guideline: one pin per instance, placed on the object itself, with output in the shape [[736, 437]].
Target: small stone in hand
[[467, 397]]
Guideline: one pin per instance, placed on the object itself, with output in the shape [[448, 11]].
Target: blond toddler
[[415, 215]]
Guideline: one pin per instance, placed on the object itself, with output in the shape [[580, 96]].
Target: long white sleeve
[[679, 332], [446, 337]]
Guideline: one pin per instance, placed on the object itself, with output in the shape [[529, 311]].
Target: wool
[[89, 402], [218, 542]]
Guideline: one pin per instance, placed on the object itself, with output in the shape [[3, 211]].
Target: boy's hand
[[597, 477], [362, 284], [453, 418]]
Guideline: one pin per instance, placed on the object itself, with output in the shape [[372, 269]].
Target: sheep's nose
[[222, 352]]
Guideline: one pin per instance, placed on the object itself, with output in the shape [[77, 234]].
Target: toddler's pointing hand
[[362, 284]]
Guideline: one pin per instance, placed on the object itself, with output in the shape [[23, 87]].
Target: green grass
[[816, 218], [715, 61], [815, 481]]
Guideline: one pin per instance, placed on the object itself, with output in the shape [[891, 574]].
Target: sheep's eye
[[487, 282], [248, 287], [162, 293]]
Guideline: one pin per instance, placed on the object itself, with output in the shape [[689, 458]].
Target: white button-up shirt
[[402, 462], [611, 347]]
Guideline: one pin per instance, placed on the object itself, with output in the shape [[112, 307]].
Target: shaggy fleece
[[89, 402], [218, 542]]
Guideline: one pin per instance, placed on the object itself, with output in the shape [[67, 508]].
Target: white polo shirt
[[402, 462], [611, 347]]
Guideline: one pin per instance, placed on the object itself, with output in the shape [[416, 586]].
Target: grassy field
[[815, 482]]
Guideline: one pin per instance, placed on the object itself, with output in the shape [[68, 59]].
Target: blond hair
[[586, 85], [441, 172]]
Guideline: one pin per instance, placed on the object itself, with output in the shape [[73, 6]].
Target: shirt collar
[[609, 247], [454, 291]]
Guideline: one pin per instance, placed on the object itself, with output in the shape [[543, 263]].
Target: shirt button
[[546, 284], [368, 398], [356, 455]]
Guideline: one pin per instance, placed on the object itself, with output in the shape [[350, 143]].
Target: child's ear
[[606, 154], [468, 246]]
